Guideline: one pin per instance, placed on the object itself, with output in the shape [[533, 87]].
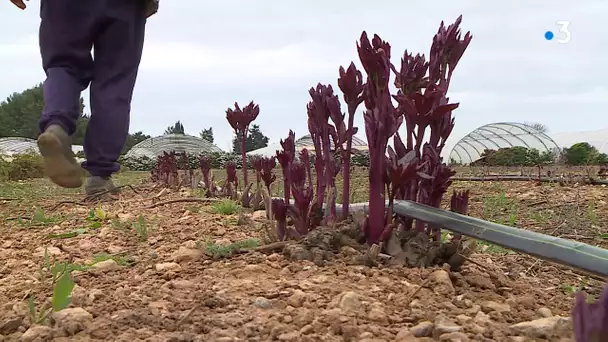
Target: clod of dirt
[[71, 320], [37, 333], [415, 249], [441, 283], [106, 266], [543, 327], [323, 243], [187, 254], [10, 326], [423, 329], [168, 266]]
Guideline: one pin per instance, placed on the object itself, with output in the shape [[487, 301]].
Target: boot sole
[[58, 167]]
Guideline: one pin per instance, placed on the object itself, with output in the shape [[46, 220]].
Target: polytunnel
[[500, 135], [18, 145], [152, 147], [304, 142]]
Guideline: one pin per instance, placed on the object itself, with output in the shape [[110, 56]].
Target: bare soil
[[172, 273]]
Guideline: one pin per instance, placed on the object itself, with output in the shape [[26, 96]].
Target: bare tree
[[538, 126]]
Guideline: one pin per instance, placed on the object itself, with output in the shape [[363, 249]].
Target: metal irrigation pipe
[[563, 251]]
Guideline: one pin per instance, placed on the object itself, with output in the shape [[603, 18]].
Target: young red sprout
[[166, 170], [423, 103], [381, 122], [302, 197], [590, 320], [285, 157], [323, 106], [279, 210], [459, 203], [205, 167], [351, 84], [267, 175], [232, 180], [240, 119], [256, 161]]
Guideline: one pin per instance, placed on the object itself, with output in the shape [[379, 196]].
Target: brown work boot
[[96, 185], [61, 167]]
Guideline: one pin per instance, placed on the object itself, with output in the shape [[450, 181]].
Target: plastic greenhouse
[[500, 135], [153, 147], [301, 143], [16, 145]]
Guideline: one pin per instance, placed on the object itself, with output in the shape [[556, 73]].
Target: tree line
[[20, 112]]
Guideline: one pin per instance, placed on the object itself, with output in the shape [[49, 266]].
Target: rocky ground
[[165, 273]]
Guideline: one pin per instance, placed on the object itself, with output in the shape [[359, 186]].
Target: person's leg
[[117, 53], [65, 37]]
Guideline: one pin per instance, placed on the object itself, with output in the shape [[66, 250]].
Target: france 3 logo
[[563, 35]]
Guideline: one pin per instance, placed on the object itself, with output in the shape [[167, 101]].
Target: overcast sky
[[200, 57]]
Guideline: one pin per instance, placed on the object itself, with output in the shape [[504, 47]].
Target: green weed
[[142, 228], [225, 207], [220, 251], [60, 274]]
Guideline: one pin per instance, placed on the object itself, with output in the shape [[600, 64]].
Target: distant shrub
[[515, 156], [217, 160], [583, 154], [22, 167]]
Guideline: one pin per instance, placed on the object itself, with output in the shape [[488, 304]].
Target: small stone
[[39, 252], [258, 215], [517, 339], [106, 266], [159, 308], [482, 318], [423, 329], [105, 232], [444, 325], [527, 302], [187, 254], [473, 310], [168, 266], [182, 284], [124, 217], [37, 333], [477, 329], [10, 326], [441, 283], [542, 327], [290, 336], [403, 334], [463, 319], [307, 329], [545, 312], [297, 299], [377, 314], [94, 295], [71, 320], [489, 306], [455, 336], [350, 301], [262, 303]]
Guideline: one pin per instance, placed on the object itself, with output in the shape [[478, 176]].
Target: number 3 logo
[[564, 30]]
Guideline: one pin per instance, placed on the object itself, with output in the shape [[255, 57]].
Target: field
[[180, 271]]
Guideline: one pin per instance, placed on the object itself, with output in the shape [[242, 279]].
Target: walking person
[[69, 30]]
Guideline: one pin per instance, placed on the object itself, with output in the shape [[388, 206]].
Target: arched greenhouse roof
[[17, 145], [306, 142], [152, 147], [500, 135]]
